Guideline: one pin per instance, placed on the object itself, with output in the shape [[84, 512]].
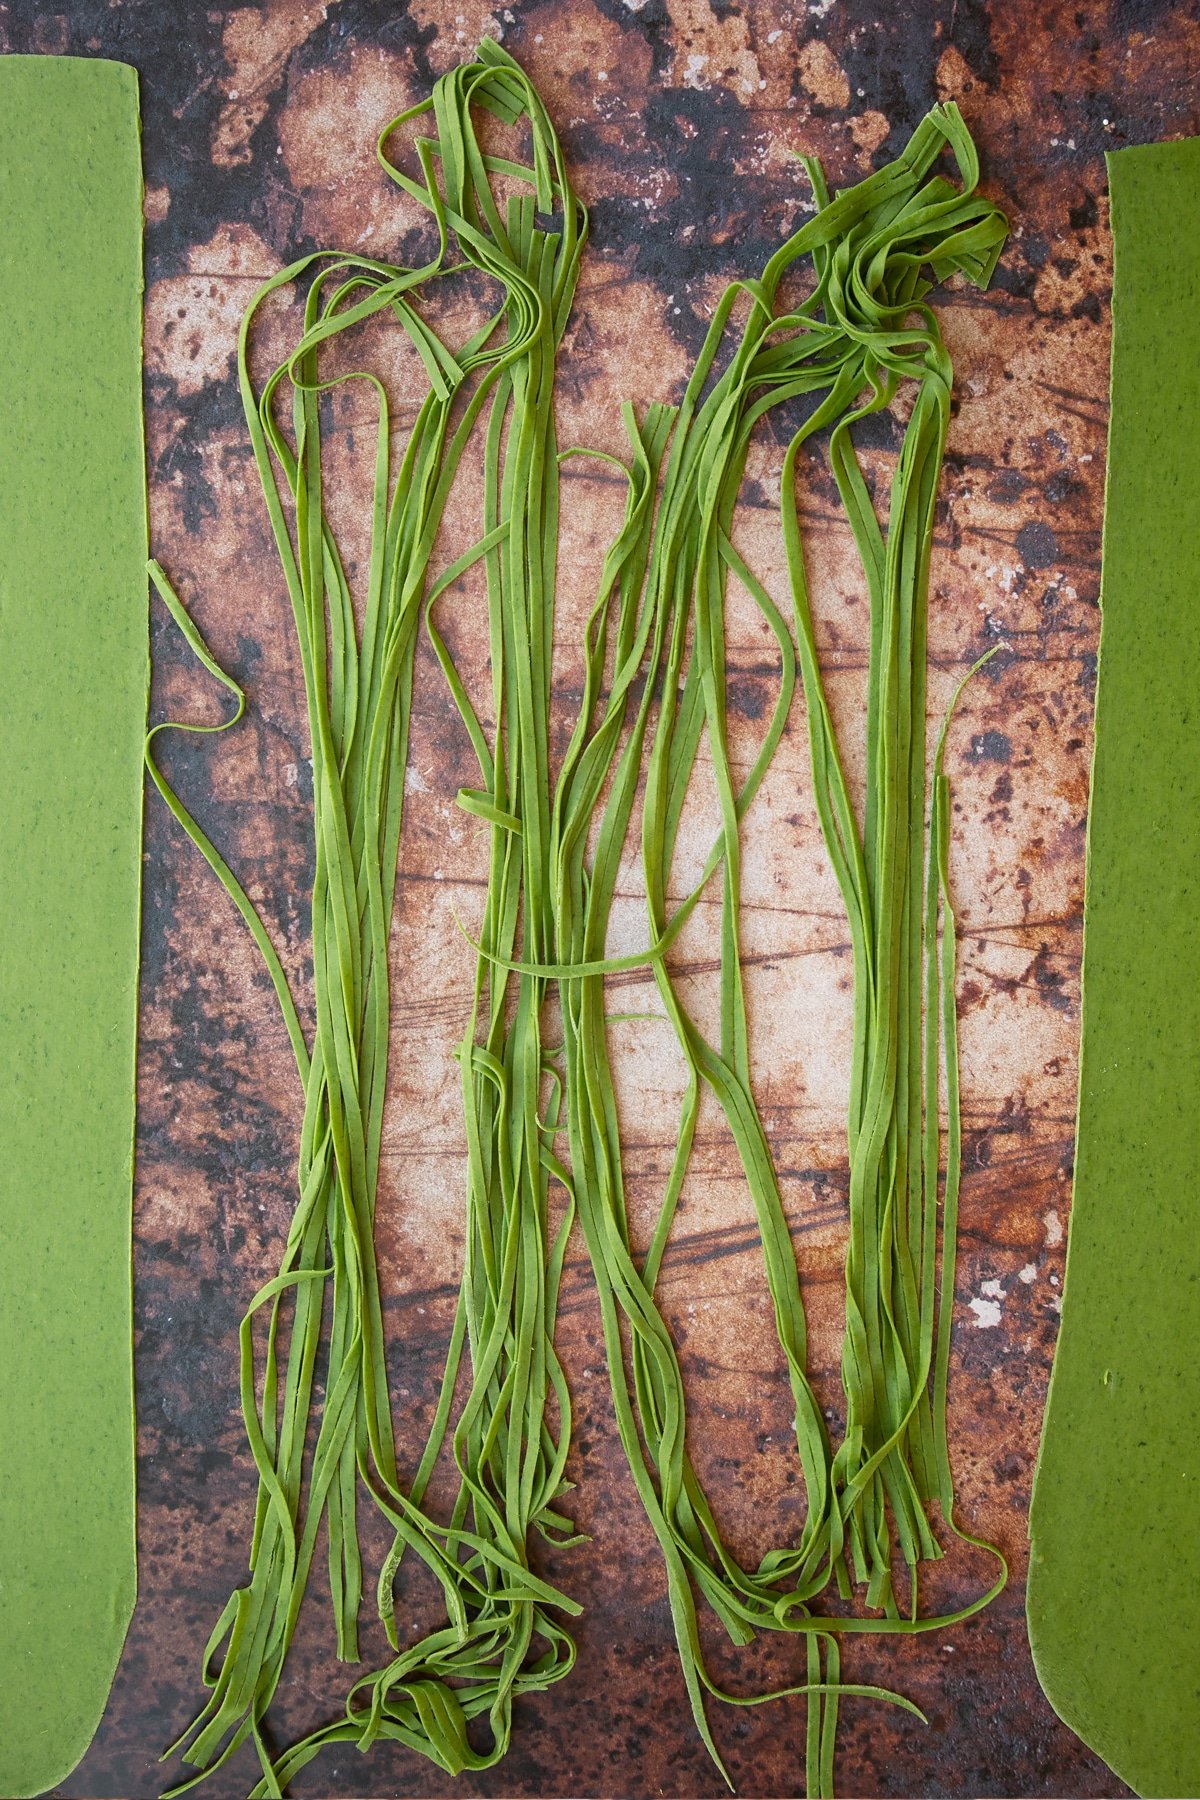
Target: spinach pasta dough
[[1112, 1616], [74, 663]]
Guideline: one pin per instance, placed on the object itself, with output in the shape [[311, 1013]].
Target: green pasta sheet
[[1115, 1555], [73, 681]]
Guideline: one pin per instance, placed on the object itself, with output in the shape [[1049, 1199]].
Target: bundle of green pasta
[[892, 871], [499, 1638], [863, 328], [509, 1458]]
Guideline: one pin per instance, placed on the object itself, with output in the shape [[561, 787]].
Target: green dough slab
[[73, 674], [1114, 1579]]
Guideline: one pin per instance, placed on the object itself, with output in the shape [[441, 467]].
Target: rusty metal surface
[[681, 117]]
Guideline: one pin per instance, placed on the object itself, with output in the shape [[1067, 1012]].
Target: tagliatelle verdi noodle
[[510, 1461], [509, 1454], [654, 694], [870, 247]]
